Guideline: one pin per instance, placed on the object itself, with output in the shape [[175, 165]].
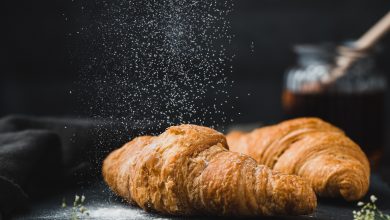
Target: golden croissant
[[311, 148], [187, 170]]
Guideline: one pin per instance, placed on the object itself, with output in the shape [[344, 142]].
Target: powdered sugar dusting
[[157, 63]]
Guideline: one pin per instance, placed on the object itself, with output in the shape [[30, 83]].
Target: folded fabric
[[35, 153], [26, 157]]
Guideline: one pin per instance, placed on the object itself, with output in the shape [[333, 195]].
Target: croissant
[[311, 148], [187, 170]]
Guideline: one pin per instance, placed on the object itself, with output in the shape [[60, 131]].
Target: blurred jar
[[355, 102]]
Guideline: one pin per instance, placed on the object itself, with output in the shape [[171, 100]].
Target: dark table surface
[[102, 204]]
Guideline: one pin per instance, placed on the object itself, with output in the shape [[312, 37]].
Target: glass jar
[[354, 101]]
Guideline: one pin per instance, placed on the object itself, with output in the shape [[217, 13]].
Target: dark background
[[39, 64], [41, 56]]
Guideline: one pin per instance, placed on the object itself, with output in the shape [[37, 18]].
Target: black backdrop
[[38, 67]]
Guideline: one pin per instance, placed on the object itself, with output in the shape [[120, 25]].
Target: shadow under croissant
[[116, 199]]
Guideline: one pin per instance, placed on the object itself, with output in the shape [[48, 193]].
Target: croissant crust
[[311, 148], [188, 170]]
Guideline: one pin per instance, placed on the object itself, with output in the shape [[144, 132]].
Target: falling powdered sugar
[[157, 63]]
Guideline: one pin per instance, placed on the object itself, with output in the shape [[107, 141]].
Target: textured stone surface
[[102, 204]]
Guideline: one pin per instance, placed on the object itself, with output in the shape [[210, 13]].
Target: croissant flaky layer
[[312, 148], [187, 170]]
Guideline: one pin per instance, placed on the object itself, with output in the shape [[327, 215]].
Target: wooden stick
[[374, 34]]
